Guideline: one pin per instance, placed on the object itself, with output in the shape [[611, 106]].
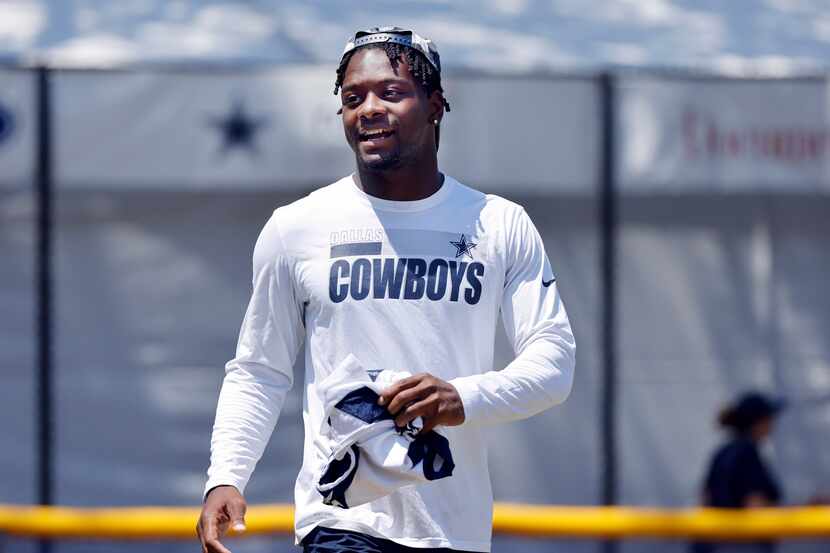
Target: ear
[[436, 107]]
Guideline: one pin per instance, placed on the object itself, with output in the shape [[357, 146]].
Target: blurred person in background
[[404, 268], [738, 476]]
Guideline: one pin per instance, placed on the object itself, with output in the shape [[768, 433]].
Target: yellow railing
[[134, 523]]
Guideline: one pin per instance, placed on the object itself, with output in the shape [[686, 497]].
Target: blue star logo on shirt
[[463, 247], [239, 128]]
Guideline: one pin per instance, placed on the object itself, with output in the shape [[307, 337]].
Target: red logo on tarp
[[704, 137]]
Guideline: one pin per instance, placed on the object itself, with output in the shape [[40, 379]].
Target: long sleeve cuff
[[472, 399], [224, 480]]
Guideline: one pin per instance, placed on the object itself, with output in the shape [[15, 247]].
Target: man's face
[[387, 117]]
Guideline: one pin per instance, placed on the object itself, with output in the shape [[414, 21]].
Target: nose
[[372, 107]]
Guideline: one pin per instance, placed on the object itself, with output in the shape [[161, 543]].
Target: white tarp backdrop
[[280, 128], [197, 130], [532, 135], [17, 286], [164, 181], [727, 135], [17, 128]]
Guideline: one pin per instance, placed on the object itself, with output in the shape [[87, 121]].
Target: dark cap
[[749, 409]]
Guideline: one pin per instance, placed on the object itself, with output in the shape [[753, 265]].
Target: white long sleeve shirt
[[415, 286]]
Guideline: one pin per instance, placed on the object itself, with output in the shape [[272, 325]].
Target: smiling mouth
[[375, 135]]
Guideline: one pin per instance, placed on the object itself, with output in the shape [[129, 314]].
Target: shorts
[[330, 540]]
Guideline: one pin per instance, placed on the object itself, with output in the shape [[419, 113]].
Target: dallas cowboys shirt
[[415, 286]]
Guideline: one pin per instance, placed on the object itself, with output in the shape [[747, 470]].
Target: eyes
[[392, 94]]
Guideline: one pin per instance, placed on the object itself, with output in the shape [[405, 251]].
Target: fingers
[[409, 396], [215, 546], [224, 508], [426, 396], [402, 384], [236, 514], [424, 408], [209, 533]]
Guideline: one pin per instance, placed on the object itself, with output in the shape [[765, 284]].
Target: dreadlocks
[[422, 71]]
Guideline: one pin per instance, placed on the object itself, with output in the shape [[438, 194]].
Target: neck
[[414, 182]]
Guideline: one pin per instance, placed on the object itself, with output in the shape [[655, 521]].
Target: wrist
[[207, 493], [219, 481], [469, 395]]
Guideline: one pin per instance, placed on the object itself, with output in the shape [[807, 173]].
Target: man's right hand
[[224, 508]]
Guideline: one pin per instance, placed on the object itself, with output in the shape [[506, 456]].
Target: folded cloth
[[365, 456]]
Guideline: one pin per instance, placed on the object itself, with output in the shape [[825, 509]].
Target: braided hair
[[421, 70]]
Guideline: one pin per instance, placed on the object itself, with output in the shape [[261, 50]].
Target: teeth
[[376, 134]]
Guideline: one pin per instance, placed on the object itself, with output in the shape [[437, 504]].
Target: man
[[404, 268]]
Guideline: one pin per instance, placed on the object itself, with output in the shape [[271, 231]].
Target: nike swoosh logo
[[547, 283]]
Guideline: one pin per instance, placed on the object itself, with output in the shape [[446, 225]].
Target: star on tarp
[[6, 123], [463, 247], [239, 129]]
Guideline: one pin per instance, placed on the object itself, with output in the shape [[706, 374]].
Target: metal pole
[[43, 164], [608, 323]]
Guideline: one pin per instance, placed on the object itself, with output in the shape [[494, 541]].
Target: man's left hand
[[434, 400]]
